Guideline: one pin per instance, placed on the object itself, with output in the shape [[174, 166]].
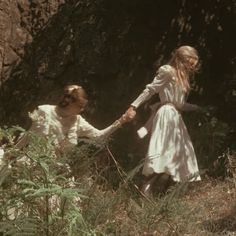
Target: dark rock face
[[13, 37], [20, 22]]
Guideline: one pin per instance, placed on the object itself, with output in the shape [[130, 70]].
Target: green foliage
[[41, 195], [37, 194], [210, 137]]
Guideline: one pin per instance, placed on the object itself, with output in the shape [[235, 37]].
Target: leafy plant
[[38, 196], [209, 136]]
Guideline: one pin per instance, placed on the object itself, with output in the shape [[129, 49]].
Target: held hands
[[130, 113], [128, 116]]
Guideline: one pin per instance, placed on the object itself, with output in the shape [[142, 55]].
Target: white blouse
[[65, 130], [165, 84]]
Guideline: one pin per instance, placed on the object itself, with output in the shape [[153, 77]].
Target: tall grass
[[85, 191]]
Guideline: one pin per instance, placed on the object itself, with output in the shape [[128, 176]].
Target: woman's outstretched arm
[[87, 130], [162, 77]]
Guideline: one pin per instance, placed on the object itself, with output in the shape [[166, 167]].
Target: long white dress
[[64, 130], [170, 148]]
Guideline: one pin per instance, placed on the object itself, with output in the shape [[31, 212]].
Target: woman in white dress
[[63, 122], [170, 149]]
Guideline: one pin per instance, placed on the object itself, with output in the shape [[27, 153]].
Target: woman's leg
[[162, 182], [148, 184]]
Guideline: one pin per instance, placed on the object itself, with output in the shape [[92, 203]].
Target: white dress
[[64, 131], [170, 148]]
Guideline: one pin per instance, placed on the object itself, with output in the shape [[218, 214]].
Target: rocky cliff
[[20, 22]]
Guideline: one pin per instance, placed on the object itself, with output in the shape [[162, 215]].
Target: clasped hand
[[128, 115]]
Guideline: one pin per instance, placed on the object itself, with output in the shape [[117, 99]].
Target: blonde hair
[[181, 60], [73, 94]]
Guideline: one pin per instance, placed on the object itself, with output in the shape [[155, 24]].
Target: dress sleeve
[[40, 123], [39, 126], [87, 130], [162, 77], [190, 107]]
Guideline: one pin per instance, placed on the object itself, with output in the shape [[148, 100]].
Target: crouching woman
[[64, 123]]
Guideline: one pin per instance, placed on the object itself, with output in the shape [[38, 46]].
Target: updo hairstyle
[[73, 94]]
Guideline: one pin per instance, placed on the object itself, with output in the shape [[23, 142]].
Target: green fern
[[36, 197]]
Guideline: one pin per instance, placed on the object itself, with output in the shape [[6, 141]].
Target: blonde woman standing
[[170, 149]]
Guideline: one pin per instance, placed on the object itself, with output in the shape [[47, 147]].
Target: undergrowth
[[85, 191]]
